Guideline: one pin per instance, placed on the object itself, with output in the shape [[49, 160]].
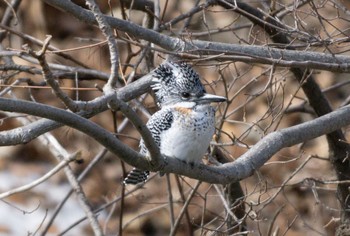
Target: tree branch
[[338, 150], [104, 137], [48, 76], [112, 45], [29, 132], [156, 159], [43, 178], [263, 54], [243, 167]]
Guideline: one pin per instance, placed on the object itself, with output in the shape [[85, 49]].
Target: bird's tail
[[136, 176]]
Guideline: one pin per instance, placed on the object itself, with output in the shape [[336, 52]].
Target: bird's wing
[[158, 123]]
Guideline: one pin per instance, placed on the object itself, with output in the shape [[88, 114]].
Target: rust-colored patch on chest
[[183, 110]]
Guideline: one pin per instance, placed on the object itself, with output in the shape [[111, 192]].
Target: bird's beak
[[208, 98]]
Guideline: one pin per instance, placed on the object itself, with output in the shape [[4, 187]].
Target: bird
[[185, 123]]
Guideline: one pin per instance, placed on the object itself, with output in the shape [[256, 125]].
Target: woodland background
[[294, 193]]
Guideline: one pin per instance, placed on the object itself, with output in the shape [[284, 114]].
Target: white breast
[[190, 134]]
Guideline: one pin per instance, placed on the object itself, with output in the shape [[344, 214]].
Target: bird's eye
[[185, 95]]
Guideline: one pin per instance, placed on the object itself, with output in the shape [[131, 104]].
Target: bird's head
[[179, 83]]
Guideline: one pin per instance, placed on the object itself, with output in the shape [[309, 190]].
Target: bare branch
[[184, 209], [227, 173], [8, 15], [29, 132], [80, 178], [273, 60], [106, 138], [156, 160], [40, 43], [48, 76], [263, 54], [43, 178], [113, 50]]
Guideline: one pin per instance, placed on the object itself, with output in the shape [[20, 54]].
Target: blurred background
[[294, 193]]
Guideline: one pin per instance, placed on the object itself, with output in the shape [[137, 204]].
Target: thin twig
[[170, 200], [184, 209], [109, 204], [61, 154], [8, 15], [52, 48], [45, 177], [84, 203], [48, 76], [112, 45], [183, 199], [15, 85], [303, 59], [97, 158]]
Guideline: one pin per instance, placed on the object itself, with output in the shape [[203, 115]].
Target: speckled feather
[[171, 79], [157, 124]]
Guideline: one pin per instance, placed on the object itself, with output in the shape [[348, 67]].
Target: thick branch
[[29, 132], [261, 152], [339, 151], [263, 54], [151, 146], [243, 167], [104, 137]]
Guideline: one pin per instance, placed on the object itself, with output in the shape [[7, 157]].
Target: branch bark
[[112, 45], [29, 132], [338, 149], [262, 54], [242, 168]]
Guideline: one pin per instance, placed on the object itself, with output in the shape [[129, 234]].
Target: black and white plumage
[[185, 124], [172, 82]]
